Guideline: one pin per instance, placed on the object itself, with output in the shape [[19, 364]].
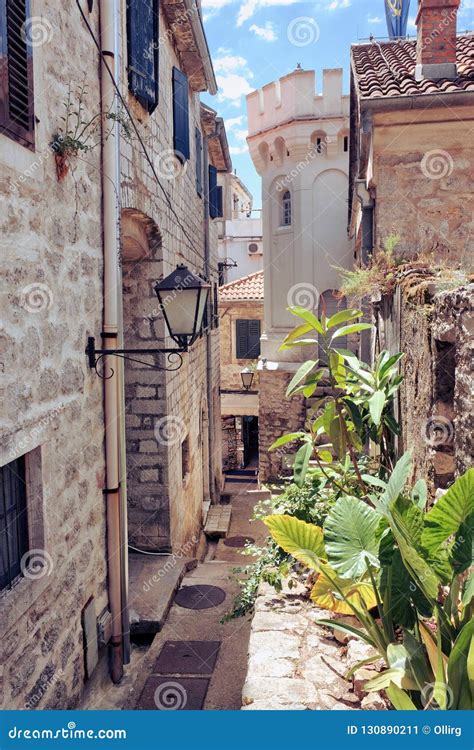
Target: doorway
[[250, 441]]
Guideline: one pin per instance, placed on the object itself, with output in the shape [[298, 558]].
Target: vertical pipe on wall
[[110, 192], [209, 367]]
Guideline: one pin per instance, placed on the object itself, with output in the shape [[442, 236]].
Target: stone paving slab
[[295, 664], [153, 582]]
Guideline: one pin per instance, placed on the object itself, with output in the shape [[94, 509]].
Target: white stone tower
[[299, 143]]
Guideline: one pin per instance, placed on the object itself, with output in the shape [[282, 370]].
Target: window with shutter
[[198, 147], [13, 521], [16, 74], [180, 115], [213, 197], [247, 339], [143, 42]]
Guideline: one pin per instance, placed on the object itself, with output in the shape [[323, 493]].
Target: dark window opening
[[346, 143], [286, 209], [16, 79], [13, 521], [142, 50], [221, 269], [247, 339], [185, 458]]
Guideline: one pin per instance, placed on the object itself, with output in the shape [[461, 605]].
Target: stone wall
[[166, 409], [435, 405], [231, 367], [52, 409], [277, 415], [422, 174]]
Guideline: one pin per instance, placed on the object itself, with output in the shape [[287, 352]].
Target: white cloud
[[233, 81], [232, 87], [241, 135], [266, 32], [337, 4], [228, 63], [411, 22], [374, 19], [231, 122], [249, 7], [235, 150]]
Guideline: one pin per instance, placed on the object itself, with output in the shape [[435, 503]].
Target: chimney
[[436, 40]]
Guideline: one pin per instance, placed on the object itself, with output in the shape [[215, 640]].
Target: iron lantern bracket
[[94, 356]]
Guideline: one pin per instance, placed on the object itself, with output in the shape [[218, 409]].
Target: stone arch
[[279, 148], [264, 153], [140, 237], [147, 454]]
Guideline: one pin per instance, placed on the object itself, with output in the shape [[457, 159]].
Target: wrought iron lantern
[[247, 378], [183, 297]]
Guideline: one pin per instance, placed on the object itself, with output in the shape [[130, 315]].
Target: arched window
[[285, 220]]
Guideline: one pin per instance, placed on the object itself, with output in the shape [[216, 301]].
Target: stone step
[[153, 582], [218, 520]]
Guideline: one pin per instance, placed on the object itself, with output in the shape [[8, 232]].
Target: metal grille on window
[[286, 208], [13, 521], [16, 79]]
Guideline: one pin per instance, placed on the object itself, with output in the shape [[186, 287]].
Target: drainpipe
[[207, 269], [110, 190]]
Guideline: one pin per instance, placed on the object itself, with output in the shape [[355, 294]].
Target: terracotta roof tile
[[387, 69], [247, 288]]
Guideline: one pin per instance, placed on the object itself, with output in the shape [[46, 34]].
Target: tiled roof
[[247, 288], [386, 69]]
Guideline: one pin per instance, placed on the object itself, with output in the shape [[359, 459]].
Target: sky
[[254, 42]]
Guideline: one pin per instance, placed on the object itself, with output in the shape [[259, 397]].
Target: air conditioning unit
[[255, 248]]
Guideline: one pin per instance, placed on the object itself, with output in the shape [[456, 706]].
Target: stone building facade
[[52, 407], [240, 302], [55, 584], [299, 143], [411, 175], [240, 231]]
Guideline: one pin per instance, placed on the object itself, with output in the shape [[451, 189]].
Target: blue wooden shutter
[[142, 37], [198, 146], [213, 200], [180, 115]]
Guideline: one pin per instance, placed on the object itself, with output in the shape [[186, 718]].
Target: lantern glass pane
[[180, 310]]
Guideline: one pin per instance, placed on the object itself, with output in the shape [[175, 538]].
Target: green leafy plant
[[368, 558], [359, 404], [81, 131]]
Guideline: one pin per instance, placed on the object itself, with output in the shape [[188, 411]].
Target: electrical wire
[[137, 132]]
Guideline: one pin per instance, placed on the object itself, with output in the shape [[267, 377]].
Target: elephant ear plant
[[406, 575], [358, 404]]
